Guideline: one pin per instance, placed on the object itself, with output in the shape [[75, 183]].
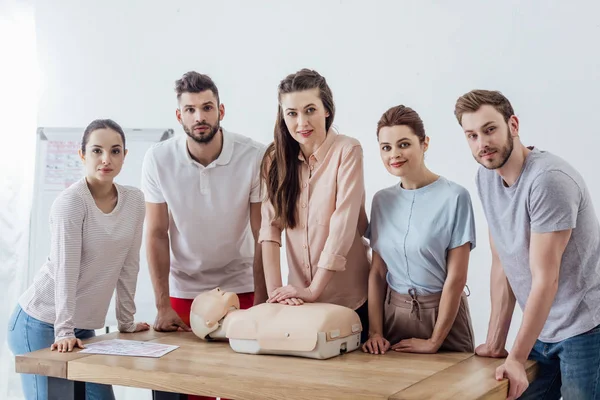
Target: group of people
[[215, 204]]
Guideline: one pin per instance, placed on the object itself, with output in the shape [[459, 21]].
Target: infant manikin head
[[209, 308]]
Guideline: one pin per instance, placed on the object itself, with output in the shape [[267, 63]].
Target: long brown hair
[[280, 164]]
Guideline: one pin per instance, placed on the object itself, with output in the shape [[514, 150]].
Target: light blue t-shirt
[[412, 231]]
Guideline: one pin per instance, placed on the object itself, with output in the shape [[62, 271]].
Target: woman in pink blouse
[[315, 193]]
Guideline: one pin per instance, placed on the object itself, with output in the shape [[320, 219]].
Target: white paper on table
[[134, 348]]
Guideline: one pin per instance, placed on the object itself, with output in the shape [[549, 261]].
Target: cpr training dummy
[[312, 330]]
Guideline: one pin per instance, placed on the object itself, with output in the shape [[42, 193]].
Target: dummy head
[[209, 308]]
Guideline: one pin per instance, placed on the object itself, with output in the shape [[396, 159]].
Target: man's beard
[[202, 138], [503, 152]]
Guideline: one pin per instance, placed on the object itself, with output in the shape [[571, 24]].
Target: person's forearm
[[159, 264], [260, 288], [535, 315], [320, 282], [271, 265], [503, 305], [448, 309], [377, 291]]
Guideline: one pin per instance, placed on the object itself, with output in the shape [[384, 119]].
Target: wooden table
[[213, 369]]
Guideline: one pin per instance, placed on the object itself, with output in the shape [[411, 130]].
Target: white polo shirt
[[209, 212]]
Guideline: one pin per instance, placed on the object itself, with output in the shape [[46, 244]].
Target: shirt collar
[[322, 151], [226, 150]]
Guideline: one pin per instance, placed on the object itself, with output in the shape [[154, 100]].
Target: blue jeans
[[27, 334], [570, 368]]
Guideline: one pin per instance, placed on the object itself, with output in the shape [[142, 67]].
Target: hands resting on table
[[377, 344], [70, 343], [512, 369], [167, 320]]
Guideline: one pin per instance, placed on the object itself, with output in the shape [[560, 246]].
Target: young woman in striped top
[[96, 228]]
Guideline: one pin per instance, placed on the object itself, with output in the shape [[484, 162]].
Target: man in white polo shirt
[[202, 194]]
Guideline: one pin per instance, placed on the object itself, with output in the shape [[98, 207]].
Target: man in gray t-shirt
[[545, 240]]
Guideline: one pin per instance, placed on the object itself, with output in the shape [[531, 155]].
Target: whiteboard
[[58, 166]]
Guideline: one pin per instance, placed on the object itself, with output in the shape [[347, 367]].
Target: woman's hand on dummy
[[292, 301], [291, 292], [414, 345], [67, 344], [376, 344]]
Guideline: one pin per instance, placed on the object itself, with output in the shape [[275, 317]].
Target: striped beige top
[[91, 254]]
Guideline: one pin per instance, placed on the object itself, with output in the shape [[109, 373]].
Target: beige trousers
[[411, 316]]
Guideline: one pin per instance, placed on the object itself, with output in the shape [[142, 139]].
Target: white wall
[[18, 87], [120, 59]]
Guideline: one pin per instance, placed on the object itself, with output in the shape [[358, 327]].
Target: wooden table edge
[[57, 366], [531, 368]]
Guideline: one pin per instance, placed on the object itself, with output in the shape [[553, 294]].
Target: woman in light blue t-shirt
[[422, 231]]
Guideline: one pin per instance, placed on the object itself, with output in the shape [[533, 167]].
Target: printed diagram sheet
[[120, 347]]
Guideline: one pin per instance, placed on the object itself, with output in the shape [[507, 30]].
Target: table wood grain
[[213, 369]]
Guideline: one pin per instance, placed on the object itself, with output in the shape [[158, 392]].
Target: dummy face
[[489, 136], [213, 305], [200, 114], [401, 150], [104, 155], [304, 115]]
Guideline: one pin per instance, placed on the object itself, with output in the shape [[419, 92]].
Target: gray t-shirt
[[413, 230], [549, 195]]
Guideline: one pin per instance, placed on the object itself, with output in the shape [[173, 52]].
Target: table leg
[[63, 389], [158, 395]]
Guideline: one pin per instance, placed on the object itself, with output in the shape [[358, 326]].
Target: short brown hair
[[402, 115], [194, 82], [472, 101]]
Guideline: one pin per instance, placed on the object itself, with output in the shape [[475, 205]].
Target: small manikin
[[312, 330]]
